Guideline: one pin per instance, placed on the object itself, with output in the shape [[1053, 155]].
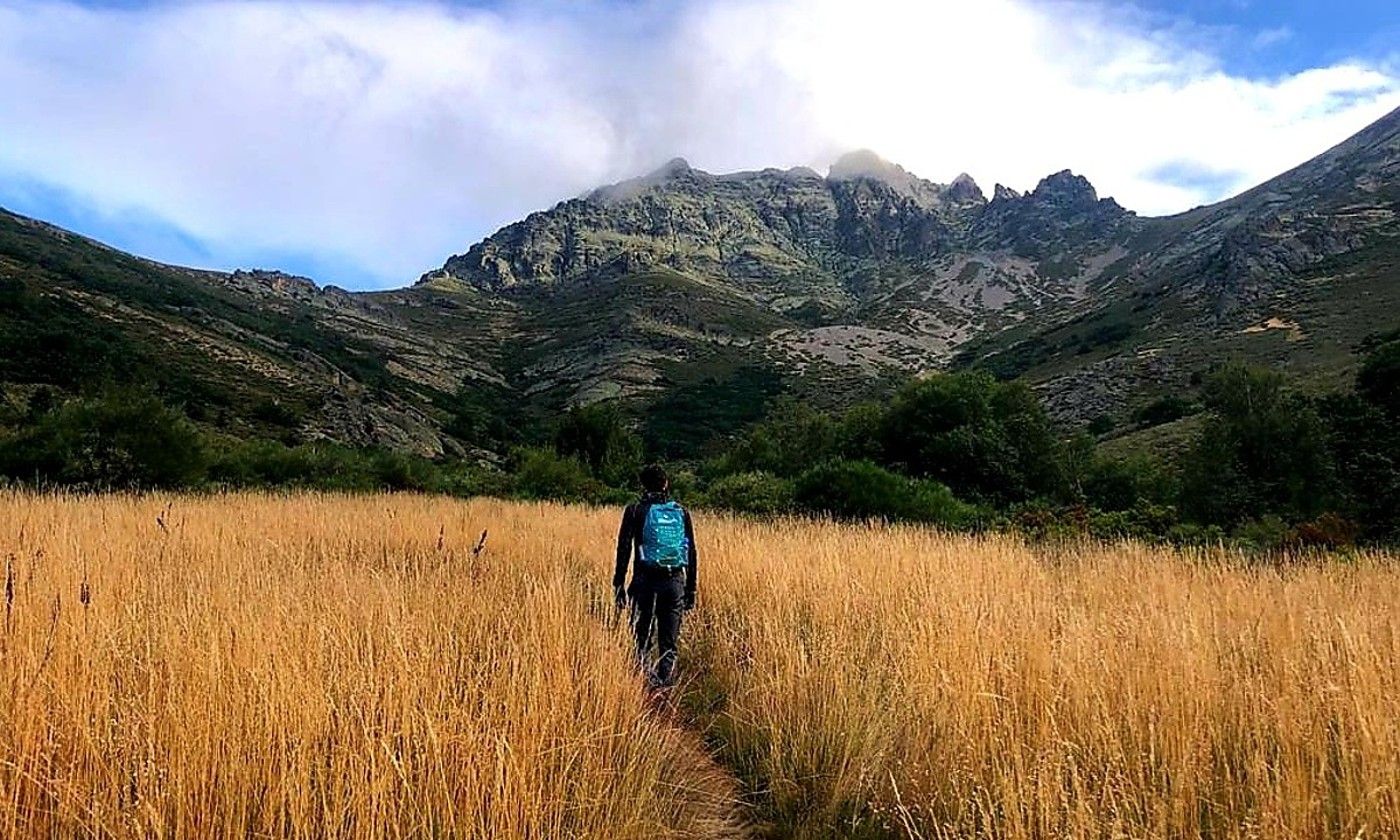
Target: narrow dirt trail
[[730, 823]]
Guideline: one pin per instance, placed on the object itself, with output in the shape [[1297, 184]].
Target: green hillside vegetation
[[79, 317], [1258, 462]]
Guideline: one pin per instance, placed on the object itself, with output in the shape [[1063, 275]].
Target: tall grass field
[[350, 666]]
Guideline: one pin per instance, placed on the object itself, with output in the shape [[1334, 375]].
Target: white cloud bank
[[392, 135]]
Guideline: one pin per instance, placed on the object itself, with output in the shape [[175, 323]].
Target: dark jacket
[[629, 543]]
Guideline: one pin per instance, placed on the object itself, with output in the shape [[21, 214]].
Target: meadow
[[348, 666]]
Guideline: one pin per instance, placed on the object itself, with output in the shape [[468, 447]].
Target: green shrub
[[862, 490], [321, 466], [751, 492], [1164, 410], [541, 473], [1145, 521], [1193, 533], [1115, 484], [1101, 425], [685, 486], [1109, 334], [466, 480], [120, 440], [1040, 520], [1267, 533], [400, 471]]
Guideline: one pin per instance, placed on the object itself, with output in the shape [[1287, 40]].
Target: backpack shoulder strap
[[639, 518]]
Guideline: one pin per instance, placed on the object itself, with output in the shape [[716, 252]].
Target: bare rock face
[[1004, 193], [964, 190], [761, 231], [1063, 213]]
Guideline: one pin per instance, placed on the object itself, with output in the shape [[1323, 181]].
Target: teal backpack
[[663, 540]]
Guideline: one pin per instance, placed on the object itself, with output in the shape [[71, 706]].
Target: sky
[[362, 143]]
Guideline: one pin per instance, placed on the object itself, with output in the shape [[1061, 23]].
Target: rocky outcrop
[[1062, 214], [760, 231]]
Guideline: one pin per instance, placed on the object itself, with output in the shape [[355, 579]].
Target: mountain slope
[[1293, 273], [700, 296], [250, 353], [876, 269]]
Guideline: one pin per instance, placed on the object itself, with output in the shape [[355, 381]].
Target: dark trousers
[[659, 597]]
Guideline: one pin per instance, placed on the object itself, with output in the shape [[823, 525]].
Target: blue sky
[[362, 143], [1271, 37]]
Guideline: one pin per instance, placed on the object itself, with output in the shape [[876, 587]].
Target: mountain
[[698, 297], [1293, 273]]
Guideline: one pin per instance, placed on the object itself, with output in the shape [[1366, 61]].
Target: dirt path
[[731, 821]]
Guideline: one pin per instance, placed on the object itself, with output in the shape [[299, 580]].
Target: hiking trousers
[[658, 597]]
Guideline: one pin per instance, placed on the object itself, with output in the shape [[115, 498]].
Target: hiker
[[663, 570]]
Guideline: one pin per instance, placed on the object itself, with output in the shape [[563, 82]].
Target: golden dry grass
[[317, 667], [968, 687], [340, 666]]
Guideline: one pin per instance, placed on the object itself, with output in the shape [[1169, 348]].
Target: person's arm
[[624, 549], [692, 564]]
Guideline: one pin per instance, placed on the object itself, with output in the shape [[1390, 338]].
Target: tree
[[792, 438], [858, 434], [120, 440], [982, 438], [1378, 381], [598, 436], [1262, 450], [1363, 431]]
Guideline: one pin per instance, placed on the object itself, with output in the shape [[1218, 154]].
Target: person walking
[[658, 539]]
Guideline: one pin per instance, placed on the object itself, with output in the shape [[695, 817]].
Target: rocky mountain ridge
[[697, 297], [756, 229]]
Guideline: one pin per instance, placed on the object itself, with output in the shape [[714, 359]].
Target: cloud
[[389, 136], [1272, 37]]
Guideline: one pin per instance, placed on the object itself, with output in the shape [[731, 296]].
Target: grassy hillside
[[75, 316], [250, 355]]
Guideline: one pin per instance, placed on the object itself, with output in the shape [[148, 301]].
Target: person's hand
[[619, 596], [690, 601]]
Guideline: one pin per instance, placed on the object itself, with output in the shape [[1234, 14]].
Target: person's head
[[654, 479]]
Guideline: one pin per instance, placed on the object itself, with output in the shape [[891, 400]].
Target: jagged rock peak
[[677, 167], [865, 165], [1004, 193], [964, 188], [673, 167], [1064, 188]]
